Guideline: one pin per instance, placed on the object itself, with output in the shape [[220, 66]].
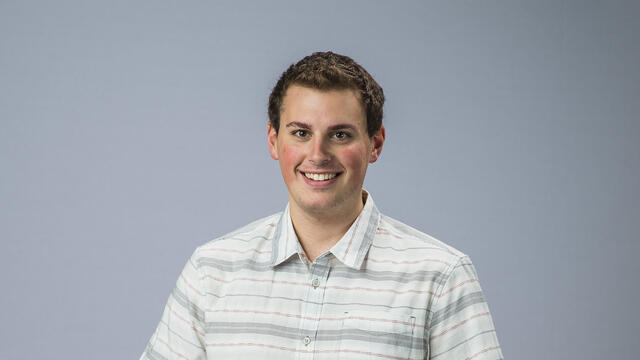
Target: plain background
[[133, 131]]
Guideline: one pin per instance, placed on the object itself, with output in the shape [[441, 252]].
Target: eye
[[300, 133], [341, 135]]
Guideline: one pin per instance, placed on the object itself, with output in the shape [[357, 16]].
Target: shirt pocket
[[376, 335]]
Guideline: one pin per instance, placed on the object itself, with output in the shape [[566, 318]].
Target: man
[[329, 277]]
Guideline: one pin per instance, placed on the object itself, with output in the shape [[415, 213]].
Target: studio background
[[132, 132]]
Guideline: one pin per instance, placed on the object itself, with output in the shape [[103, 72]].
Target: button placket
[[312, 308]]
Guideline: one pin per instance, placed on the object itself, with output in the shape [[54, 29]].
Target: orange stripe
[[483, 351], [173, 351], [257, 280], [409, 261], [457, 286], [189, 285], [385, 232], [382, 290], [185, 320], [387, 320]]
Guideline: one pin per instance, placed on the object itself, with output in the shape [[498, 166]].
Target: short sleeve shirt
[[383, 291]]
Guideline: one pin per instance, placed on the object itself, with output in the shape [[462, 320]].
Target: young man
[[329, 277]]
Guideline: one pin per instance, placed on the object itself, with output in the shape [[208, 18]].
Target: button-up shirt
[[383, 291]]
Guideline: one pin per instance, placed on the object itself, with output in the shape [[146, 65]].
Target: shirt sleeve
[[180, 333], [460, 325]]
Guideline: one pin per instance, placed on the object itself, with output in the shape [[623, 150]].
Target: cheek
[[289, 159], [355, 158]]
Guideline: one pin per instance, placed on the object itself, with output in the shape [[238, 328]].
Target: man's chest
[[326, 312]]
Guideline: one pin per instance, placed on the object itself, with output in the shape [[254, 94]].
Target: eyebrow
[[298, 124], [332, 128]]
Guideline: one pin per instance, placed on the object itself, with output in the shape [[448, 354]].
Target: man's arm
[[460, 325], [180, 334]]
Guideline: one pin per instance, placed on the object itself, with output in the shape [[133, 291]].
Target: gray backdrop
[[131, 132]]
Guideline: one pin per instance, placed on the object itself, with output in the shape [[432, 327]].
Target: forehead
[[302, 103]]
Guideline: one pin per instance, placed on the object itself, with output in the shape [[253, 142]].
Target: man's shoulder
[[395, 235], [256, 234]]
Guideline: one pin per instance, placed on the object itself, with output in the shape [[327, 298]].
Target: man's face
[[323, 149]]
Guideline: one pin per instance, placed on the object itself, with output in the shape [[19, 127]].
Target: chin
[[318, 203]]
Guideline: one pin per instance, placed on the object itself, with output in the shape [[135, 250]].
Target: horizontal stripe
[[184, 301], [405, 249], [463, 322], [231, 267], [345, 304], [236, 238], [283, 348], [322, 318], [180, 317], [169, 329], [152, 354], [190, 285], [175, 352], [408, 261], [463, 342], [306, 284], [250, 330], [466, 282], [483, 351], [457, 306]]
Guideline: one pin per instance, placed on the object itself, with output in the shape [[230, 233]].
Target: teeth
[[320, 177]]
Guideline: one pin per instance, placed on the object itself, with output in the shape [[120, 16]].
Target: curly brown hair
[[330, 71]]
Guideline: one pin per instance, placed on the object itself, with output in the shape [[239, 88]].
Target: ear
[[272, 138], [377, 140]]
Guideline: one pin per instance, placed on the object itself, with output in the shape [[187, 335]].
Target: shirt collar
[[351, 249], [284, 241]]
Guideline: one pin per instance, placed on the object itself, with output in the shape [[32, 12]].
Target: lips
[[320, 178]]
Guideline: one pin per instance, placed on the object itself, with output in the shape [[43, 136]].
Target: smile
[[320, 177]]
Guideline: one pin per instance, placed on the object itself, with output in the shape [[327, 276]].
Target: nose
[[320, 153]]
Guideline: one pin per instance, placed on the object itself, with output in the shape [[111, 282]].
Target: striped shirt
[[383, 291]]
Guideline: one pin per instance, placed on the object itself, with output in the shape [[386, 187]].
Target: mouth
[[320, 179]]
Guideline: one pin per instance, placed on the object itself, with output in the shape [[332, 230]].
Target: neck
[[318, 232]]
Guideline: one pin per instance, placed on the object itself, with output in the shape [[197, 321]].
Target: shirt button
[[315, 283], [306, 340]]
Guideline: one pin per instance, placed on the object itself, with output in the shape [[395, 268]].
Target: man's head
[[321, 133], [330, 71]]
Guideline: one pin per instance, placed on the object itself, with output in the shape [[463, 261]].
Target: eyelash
[[346, 135], [297, 133], [301, 133]]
